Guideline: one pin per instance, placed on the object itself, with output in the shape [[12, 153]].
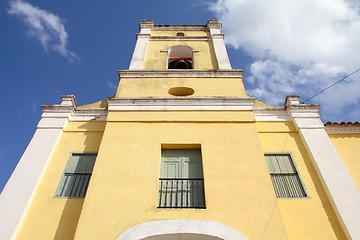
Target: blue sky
[[53, 48]]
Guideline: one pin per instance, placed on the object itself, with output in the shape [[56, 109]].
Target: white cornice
[[182, 104], [180, 28], [271, 115], [338, 129], [176, 38], [74, 113], [177, 73], [91, 114]]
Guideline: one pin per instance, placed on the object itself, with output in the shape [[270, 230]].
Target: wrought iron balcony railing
[[181, 193]]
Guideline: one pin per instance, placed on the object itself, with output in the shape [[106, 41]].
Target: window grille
[[284, 176], [181, 193], [76, 177]]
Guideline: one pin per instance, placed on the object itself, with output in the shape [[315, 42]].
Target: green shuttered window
[[284, 176], [76, 177], [181, 179]]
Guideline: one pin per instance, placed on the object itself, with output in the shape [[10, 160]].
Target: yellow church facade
[[182, 152]]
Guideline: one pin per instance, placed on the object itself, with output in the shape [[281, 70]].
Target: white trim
[[180, 108], [138, 56], [339, 186], [342, 129], [88, 114], [219, 46], [221, 53], [19, 191], [179, 28], [182, 103], [164, 227], [176, 38], [271, 115], [179, 73], [56, 112]]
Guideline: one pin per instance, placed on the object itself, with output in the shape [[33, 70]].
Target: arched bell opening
[[180, 64], [180, 57]]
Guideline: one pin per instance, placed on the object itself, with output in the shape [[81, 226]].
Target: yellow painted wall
[[141, 87], [347, 145], [305, 218], [156, 59], [56, 218], [125, 185]]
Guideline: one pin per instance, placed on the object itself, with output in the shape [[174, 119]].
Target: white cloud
[[111, 86], [44, 26], [298, 47]]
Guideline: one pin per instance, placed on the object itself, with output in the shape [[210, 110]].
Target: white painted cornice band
[[271, 115], [68, 109], [176, 38], [177, 73], [180, 28], [182, 104], [91, 114], [342, 129]]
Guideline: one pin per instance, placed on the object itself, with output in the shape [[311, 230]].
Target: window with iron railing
[[181, 184], [76, 177], [181, 193], [284, 177]]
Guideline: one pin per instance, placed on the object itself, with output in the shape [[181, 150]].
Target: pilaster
[[339, 186], [22, 185], [219, 45], [142, 39]]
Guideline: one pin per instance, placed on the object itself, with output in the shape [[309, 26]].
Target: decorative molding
[[271, 115], [214, 24], [342, 129], [180, 28], [68, 109], [176, 38], [174, 229], [182, 104], [146, 24], [91, 114], [179, 73]]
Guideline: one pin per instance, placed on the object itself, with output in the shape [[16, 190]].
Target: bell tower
[[180, 60]]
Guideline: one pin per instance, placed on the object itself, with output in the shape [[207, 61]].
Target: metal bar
[[188, 193]]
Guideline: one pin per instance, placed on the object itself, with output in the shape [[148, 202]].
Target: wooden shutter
[[284, 176], [76, 177]]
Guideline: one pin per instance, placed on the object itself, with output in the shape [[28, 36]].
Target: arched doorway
[[181, 230]]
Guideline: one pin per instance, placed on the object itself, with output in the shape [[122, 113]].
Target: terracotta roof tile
[[342, 124]]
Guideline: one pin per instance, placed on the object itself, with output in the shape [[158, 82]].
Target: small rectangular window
[[76, 177], [181, 179], [284, 176]]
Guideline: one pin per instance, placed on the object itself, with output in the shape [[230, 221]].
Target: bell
[[180, 64]]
